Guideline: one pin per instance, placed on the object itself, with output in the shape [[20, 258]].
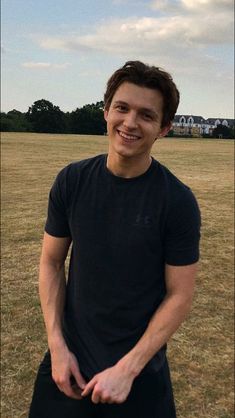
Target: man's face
[[134, 120]]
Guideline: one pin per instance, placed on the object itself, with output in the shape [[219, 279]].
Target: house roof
[[201, 120], [197, 119], [212, 121]]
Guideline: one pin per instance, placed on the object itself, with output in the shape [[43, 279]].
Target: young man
[[134, 229]]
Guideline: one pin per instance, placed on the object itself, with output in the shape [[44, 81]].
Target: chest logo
[[142, 220]]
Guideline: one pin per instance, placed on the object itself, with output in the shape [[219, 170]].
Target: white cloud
[[53, 43], [45, 65], [179, 42], [151, 35], [36, 64], [185, 23], [200, 6], [61, 66]]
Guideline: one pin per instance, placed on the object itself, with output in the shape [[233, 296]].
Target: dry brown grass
[[200, 353]]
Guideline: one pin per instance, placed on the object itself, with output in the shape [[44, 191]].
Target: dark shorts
[[151, 396]]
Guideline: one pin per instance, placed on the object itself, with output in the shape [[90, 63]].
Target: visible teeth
[[128, 136]]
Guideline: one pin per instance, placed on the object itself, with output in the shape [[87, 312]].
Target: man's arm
[[52, 287], [114, 384], [168, 317]]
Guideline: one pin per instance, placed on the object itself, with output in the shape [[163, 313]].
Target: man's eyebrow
[[142, 109], [121, 102]]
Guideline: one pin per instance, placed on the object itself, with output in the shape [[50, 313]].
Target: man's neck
[[128, 167]]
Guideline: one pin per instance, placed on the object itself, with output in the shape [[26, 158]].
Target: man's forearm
[[52, 286], [162, 325]]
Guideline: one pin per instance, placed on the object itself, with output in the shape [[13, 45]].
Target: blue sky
[[64, 51]]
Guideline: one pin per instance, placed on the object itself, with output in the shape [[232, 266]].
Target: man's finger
[[78, 378], [95, 397], [69, 387], [76, 392], [70, 391], [89, 387]]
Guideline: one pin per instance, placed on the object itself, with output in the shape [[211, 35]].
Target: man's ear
[[165, 130], [106, 114]]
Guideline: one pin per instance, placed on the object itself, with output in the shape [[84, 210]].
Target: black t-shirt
[[123, 233]]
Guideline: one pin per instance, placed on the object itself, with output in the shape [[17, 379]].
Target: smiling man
[[134, 230]]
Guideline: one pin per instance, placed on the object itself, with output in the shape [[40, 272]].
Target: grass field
[[201, 352]]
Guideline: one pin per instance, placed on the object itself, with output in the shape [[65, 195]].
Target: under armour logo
[[143, 220]]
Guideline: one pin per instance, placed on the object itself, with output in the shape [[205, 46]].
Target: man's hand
[[66, 373], [109, 386]]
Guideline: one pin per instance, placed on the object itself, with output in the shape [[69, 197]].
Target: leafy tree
[[15, 121], [6, 123], [45, 117], [88, 120], [67, 122]]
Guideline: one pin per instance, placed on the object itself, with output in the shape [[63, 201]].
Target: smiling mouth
[[128, 137]]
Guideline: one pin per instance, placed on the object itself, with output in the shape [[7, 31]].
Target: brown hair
[[152, 77]]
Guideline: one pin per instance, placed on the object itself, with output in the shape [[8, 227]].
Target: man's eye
[[121, 108], [147, 116]]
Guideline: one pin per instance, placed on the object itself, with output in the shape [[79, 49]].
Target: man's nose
[[130, 120]]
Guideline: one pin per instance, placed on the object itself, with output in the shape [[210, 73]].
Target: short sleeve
[[57, 220], [181, 244]]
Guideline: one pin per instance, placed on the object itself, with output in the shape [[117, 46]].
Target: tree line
[[44, 117]]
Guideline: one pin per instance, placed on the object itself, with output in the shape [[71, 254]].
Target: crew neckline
[[120, 179]]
